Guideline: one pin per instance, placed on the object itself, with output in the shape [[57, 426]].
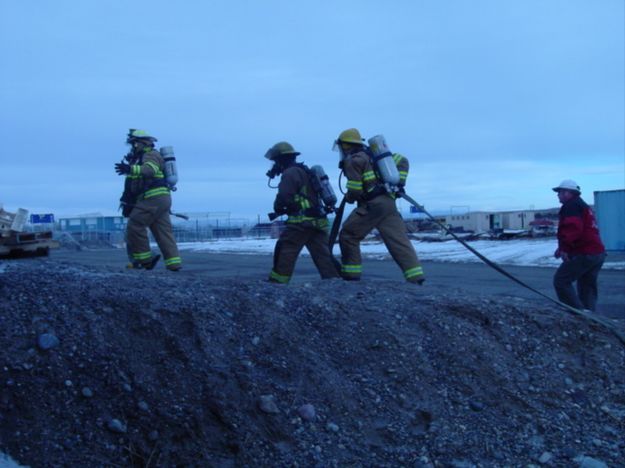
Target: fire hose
[[497, 268], [339, 216]]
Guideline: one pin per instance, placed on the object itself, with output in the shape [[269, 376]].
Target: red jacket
[[577, 230]]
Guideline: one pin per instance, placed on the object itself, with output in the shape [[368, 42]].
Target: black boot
[[152, 263]]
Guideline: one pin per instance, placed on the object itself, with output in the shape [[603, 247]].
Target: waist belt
[[374, 193]]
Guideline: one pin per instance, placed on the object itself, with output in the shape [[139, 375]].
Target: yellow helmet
[[351, 135], [281, 148], [135, 135]]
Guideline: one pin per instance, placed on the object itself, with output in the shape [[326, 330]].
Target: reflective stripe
[[369, 176], [304, 203], [153, 166], [320, 223], [155, 192], [354, 185], [397, 158], [299, 219], [351, 268], [279, 278], [135, 170], [173, 261], [412, 272], [142, 255]]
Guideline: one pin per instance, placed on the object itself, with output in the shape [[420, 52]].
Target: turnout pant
[[584, 269], [152, 214], [380, 213], [291, 242]]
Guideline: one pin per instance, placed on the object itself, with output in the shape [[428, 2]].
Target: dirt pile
[[102, 367]]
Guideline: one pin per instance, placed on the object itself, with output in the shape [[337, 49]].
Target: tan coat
[[151, 211], [375, 212], [306, 227]]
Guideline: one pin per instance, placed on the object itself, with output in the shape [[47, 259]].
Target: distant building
[[610, 212], [92, 223], [483, 221], [94, 227]]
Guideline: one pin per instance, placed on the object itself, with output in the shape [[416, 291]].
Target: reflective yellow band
[[368, 176], [279, 278], [355, 268], [142, 255], [155, 192], [153, 166], [412, 272], [173, 261], [299, 219]]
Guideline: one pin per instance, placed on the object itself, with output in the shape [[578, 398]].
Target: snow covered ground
[[523, 252]]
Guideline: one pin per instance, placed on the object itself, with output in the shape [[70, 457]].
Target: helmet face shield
[[270, 154]]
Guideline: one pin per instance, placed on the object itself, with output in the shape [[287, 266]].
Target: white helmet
[[568, 184]]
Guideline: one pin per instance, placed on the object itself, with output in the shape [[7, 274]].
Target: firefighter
[[375, 209], [306, 225], [579, 247], [146, 203]]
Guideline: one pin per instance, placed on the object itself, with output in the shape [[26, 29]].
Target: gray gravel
[[171, 370]]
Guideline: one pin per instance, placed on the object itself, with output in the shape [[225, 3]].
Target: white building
[[482, 221]]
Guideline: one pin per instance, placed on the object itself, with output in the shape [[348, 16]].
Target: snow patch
[[521, 252]]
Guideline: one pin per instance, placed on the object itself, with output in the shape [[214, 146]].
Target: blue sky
[[493, 102]]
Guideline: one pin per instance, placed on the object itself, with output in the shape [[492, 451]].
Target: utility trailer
[[15, 243]]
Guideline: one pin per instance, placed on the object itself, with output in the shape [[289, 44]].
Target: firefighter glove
[[122, 168]]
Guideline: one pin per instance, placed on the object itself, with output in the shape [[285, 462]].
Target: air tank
[[171, 170], [324, 188], [383, 160]]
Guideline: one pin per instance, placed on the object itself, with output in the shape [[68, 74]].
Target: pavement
[[444, 278]]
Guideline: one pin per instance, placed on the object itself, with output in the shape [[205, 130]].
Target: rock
[[545, 458], [115, 425], [267, 404], [255, 341], [307, 412], [476, 405], [332, 427], [86, 392], [589, 462], [143, 406], [153, 435], [47, 341], [68, 383]]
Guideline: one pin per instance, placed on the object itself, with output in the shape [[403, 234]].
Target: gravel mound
[[102, 367]]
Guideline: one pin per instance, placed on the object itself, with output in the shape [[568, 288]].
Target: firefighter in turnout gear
[[306, 225], [375, 209], [146, 203]]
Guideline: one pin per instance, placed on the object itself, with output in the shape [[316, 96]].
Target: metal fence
[[200, 227]]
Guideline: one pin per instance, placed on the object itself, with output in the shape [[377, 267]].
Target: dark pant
[[291, 242], [152, 213], [584, 269], [380, 213]]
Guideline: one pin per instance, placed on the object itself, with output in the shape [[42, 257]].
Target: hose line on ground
[[496, 267]]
